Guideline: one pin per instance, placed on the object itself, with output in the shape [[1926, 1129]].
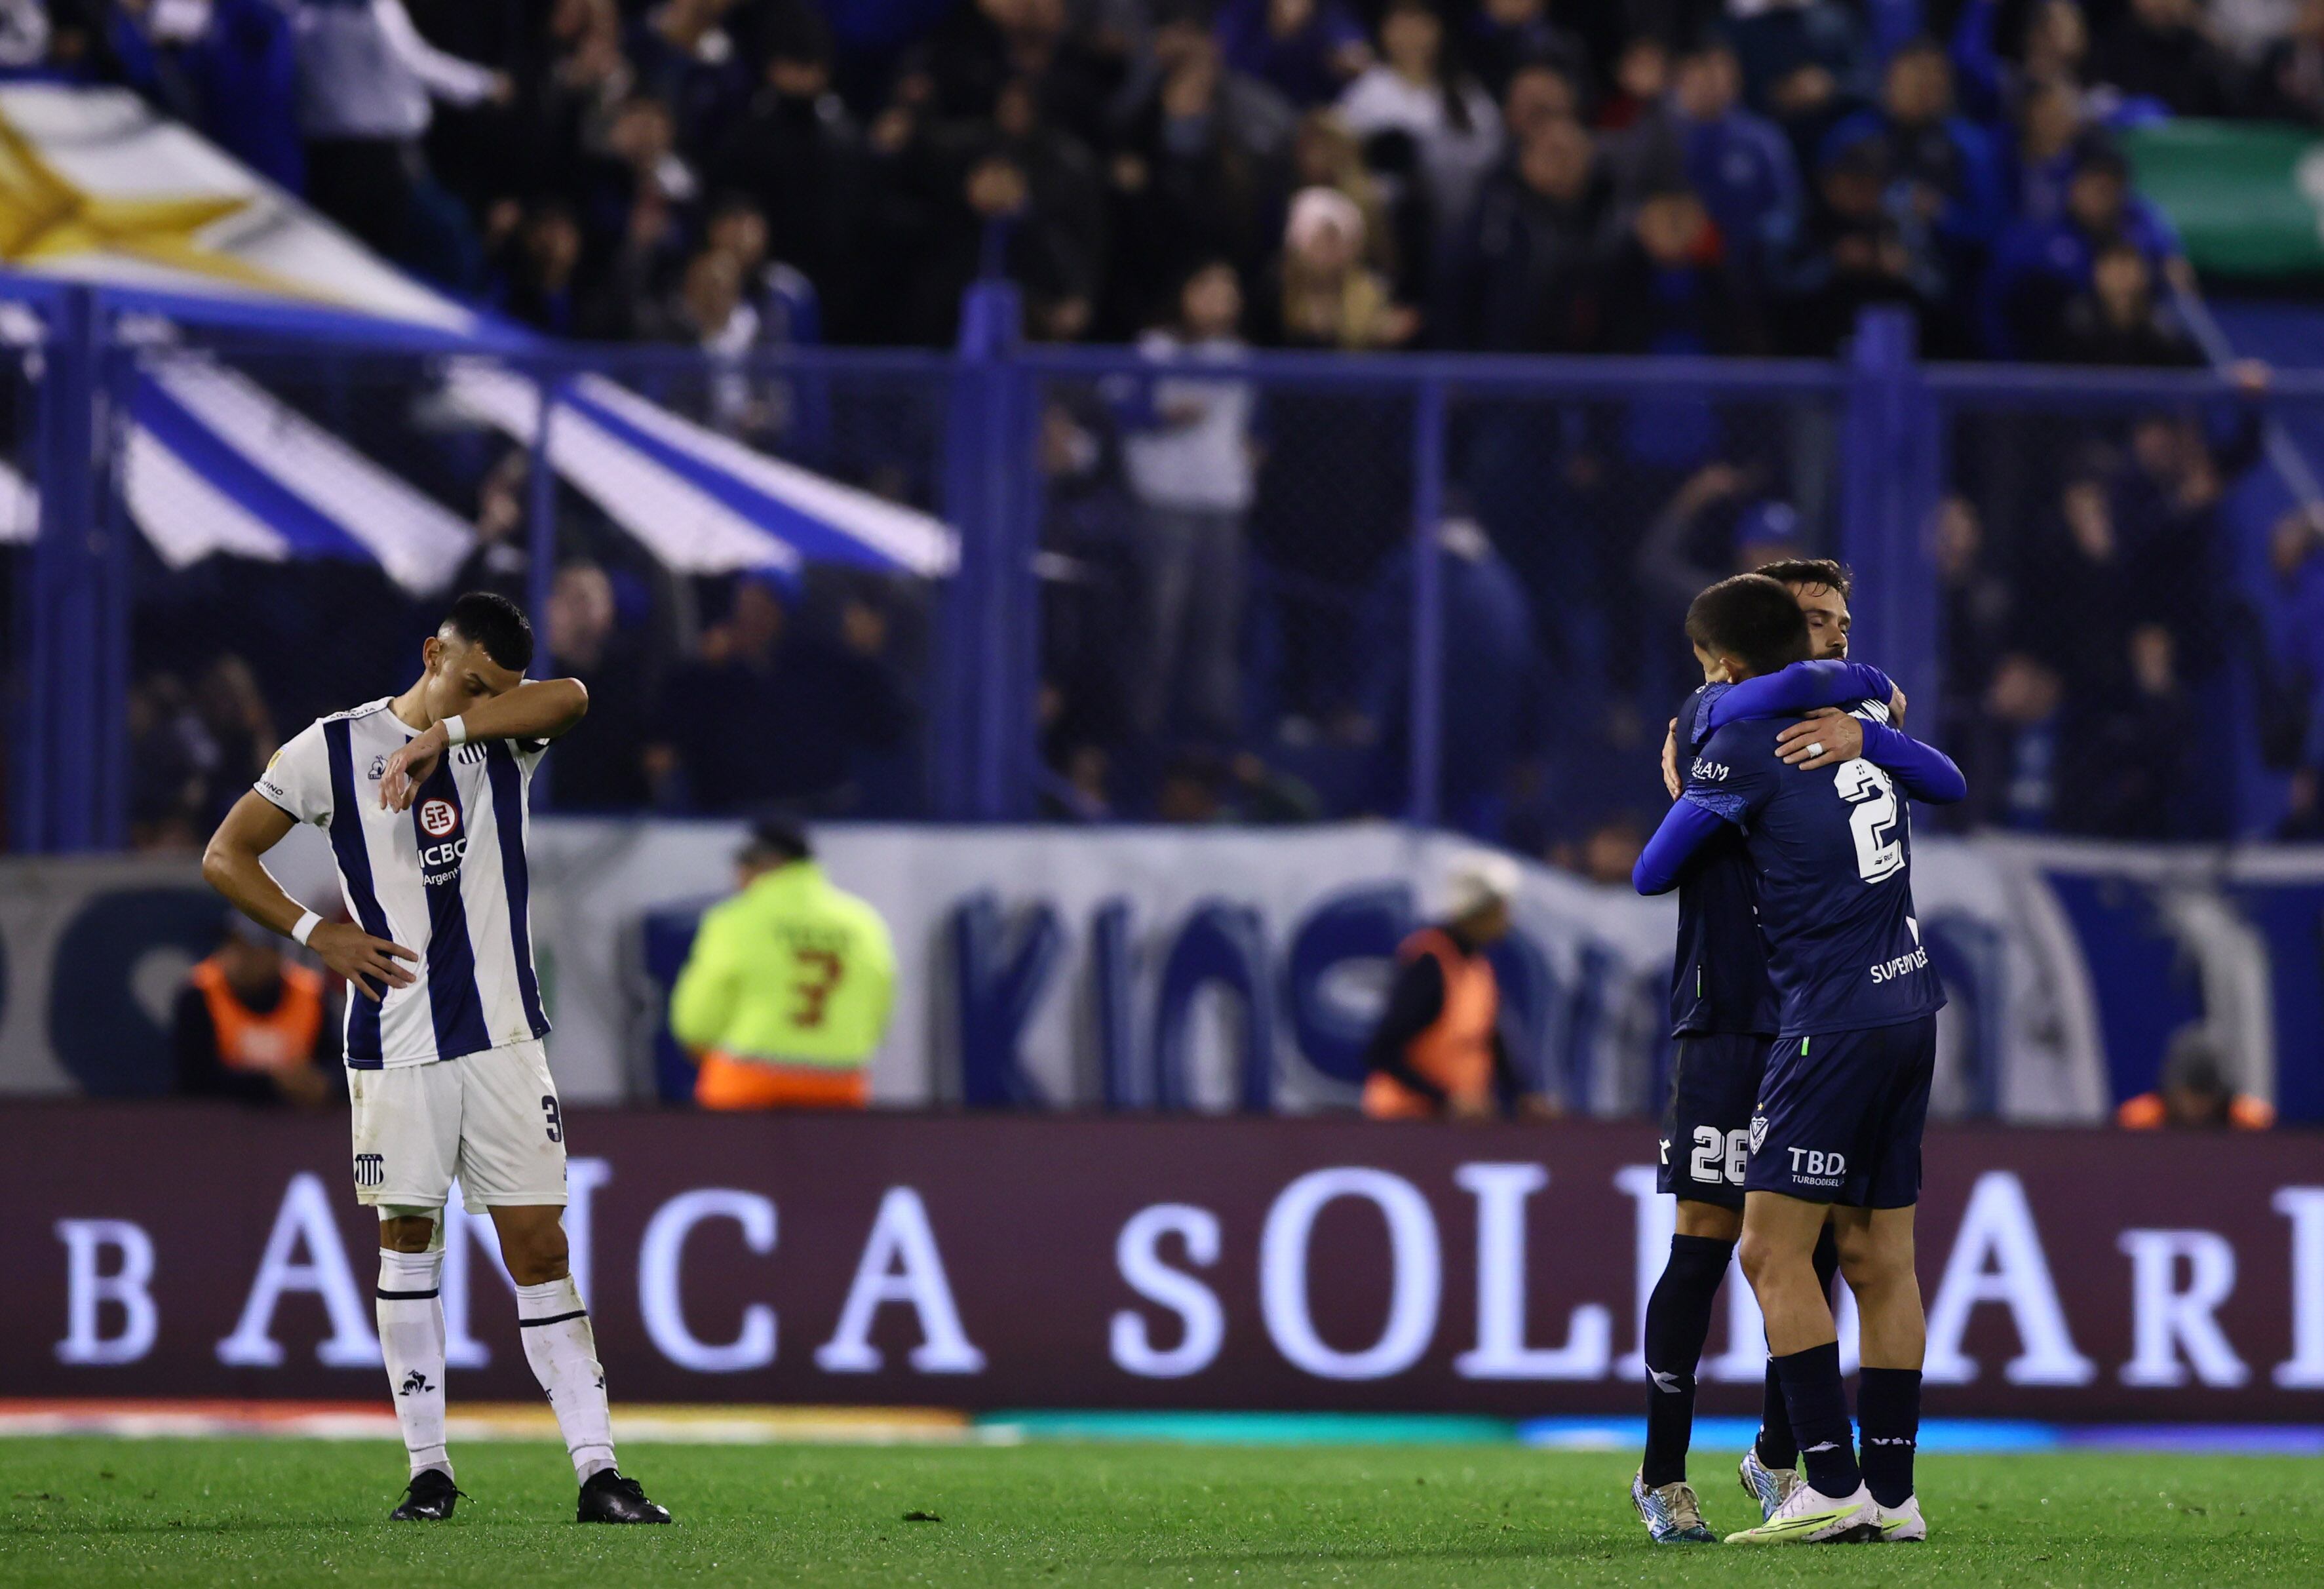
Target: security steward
[[251, 1025], [2193, 1093], [786, 991], [1438, 1051]]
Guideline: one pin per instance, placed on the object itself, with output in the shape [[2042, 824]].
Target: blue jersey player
[[1845, 1094], [1723, 1018]]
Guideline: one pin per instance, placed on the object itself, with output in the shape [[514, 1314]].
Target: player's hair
[[1753, 617], [1824, 571], [495, 622]]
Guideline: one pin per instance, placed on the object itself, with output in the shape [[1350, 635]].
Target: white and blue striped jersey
[[447, 879]]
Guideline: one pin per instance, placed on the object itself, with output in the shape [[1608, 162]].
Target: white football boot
[[1671, 1514], [1809, 1516], [1903, 1525], [1769, 1487]]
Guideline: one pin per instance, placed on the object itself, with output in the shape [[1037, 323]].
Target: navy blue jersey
[[1718, 983], [1831, 852]]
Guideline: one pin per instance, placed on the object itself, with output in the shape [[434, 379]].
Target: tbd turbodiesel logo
[[1815, 1168]]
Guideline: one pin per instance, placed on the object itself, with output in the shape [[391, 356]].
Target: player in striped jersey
[[423, 796]]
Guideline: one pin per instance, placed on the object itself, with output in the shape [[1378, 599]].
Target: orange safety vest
[[2146, 1112], [725, 1081], [282, 1038], [1456, 1051]]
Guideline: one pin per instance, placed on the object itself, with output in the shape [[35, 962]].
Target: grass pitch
[[85, 1512]]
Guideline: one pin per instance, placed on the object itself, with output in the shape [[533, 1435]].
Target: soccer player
[[1840, 1109], [1723, 1020], [423, 796]]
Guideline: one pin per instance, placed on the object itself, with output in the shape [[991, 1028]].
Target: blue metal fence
[[1883, 433]]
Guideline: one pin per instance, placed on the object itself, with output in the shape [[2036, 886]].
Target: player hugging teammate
[[423, 795], [1805, 1010]]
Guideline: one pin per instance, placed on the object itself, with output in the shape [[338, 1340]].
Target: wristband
[[455, 733], [304, 927]]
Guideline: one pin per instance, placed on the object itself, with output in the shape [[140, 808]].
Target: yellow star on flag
[[44, 216]]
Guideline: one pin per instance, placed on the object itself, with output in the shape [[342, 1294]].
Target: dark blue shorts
[[1841, 1115], [1707, 1128]]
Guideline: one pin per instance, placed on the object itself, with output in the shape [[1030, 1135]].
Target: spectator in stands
[[365, 78], [1736, 161], [2194, 1092], [605, 771], [1802, 63], [1525, 274], [1327, 296], [1642, 75], [2290, 83], [686, 58], [2158, 50], [1325, 154], [251, 1026], [799, 154], [642, 194], [963, 65], [237, 725], [229, 68], [170, 758], [1855, 253], [1307, 50], [2042, 161], [1946, 168], [2017, 777], [1191, 462], [1201, 167], [1200, 787], [1420, 97], [786, 991], [1668, 288], [1439, 1050], [2118, 321], [770, 711], [1978, 602], [1506, 36], [2038, 266], [537, 275]]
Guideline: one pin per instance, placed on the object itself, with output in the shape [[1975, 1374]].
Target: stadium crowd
[[1514, 175], [1226, 589]]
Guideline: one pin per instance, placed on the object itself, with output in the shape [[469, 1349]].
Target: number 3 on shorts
[[555, 1120]]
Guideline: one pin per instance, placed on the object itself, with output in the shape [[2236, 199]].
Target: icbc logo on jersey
[[437, 818]]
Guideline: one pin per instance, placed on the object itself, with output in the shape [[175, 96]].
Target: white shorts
[[488, 1120]]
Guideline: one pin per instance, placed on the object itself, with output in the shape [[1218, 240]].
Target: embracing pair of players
[[1805, 1008]]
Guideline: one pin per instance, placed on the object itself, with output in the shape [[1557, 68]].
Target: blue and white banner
[[700, 502], [213, 463], [1222, 968]]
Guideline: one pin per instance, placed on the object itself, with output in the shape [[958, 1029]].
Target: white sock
[[411, 1339], [563, 1350]]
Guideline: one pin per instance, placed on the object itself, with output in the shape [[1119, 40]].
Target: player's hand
[[409, 767], [1896, 705], [360, 957], [1670, 760], [1825, 738]]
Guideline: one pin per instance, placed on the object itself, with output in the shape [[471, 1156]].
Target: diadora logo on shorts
[[1817, 1169], [438, 818], [370, 1170]]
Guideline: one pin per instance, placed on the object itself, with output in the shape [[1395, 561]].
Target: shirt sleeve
[[703, 1002], [447, 76], [299, 777], [1801, 688], [1925, 773]]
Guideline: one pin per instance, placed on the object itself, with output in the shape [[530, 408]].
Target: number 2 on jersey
[[820, 971], [1879, 855]]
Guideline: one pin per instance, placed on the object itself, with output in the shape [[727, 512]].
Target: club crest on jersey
[[437, 818]]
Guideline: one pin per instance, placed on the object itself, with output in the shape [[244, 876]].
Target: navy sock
[[1889, 1405], [1678, 1321], [1778, 1449], [1818, 1402]]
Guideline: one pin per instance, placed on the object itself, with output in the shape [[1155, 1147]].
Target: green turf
[[90, 1511]]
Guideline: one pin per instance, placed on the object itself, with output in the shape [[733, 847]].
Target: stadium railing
[[1450, 584]]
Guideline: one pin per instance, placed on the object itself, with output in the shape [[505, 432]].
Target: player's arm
[[536, 711], [1802, 687], [1685, 828], [1922, 771], [231, 865]]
